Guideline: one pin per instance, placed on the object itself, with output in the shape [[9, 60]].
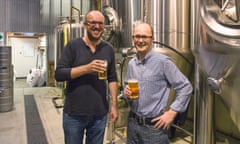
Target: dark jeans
[[145, 134], [75, 126]]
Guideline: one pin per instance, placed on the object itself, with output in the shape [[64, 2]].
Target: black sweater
[[85, 95]]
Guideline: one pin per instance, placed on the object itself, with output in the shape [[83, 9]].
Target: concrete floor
[[13, 123]]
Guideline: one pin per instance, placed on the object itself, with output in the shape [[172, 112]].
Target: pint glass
[[103, 75], [133, 85]]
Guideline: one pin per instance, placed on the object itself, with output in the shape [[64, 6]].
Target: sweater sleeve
[[63, 68]]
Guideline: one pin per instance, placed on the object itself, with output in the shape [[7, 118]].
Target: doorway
[[28, 52]]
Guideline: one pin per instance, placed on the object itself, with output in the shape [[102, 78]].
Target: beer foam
[[132, 80]]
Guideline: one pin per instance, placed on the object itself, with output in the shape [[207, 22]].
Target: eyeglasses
[[94, 23], [144, 37]]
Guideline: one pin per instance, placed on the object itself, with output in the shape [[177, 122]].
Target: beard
[[92, 37]]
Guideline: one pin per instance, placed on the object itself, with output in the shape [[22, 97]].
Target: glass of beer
[[103, 75], [133, 85]]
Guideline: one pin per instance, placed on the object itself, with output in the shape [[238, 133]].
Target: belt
[[141, 120]]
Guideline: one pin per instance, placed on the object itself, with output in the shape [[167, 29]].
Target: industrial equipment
[[216, 47], [201, 36]]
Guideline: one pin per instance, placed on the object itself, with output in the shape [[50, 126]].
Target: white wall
[[24, 55]]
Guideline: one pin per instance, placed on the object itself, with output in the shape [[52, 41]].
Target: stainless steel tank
[[128, 12], [216, 47], [63, 33]]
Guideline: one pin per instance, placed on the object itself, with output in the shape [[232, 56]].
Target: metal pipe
[[183, 130], [225, 5], [74, 8], [237, 3], [70, 19], [70, 23]]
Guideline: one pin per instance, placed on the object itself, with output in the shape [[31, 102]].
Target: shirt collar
[[98, 47], [148, 55]]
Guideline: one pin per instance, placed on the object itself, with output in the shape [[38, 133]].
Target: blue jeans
[[145, 134], [75, 126]]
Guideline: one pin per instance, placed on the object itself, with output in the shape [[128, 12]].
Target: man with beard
[[149, 117], [86, 104]]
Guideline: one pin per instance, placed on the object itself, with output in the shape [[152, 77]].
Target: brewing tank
[[216, 47], [65, 31], [128, 12]]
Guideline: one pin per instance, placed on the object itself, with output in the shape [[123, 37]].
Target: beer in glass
[[133, 85], [103, 75]]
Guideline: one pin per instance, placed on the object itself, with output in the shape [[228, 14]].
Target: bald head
[[94, 25], [93, 14]]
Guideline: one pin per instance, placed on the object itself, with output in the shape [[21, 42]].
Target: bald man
[[86, 104]]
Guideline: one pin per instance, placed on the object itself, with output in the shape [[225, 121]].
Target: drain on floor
[[35, 129]]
